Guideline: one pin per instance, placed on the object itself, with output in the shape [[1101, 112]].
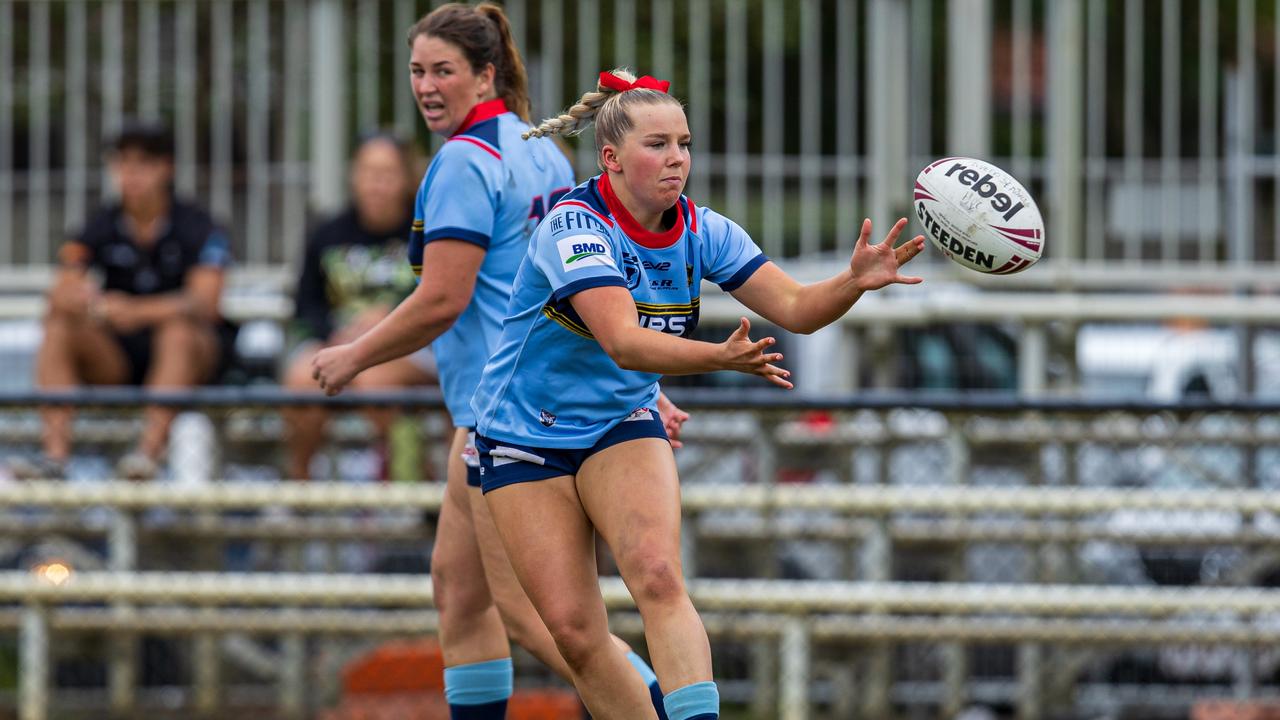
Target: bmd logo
[[582, 251]]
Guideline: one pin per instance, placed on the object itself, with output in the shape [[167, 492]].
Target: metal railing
[[971, 550]]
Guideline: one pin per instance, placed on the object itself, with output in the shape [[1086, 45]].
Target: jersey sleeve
[[729, 254], [575, 253], [460, 201], [216, 249]]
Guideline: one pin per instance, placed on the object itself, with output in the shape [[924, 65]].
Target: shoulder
[[585, 201], [483, 138]]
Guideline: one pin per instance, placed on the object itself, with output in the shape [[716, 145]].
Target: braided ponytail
[[607, 107]]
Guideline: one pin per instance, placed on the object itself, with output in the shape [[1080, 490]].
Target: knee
[[176, 335], [459, 591], [575, 638], [657, 581], [298, 375]]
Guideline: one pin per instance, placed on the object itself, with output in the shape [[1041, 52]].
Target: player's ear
[[487, 78], [609, 158]]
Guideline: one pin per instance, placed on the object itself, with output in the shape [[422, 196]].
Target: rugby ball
[[979, 216]]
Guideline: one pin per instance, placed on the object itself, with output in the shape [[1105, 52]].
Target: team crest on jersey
[[583, 251], [546, 418], [631, 266]]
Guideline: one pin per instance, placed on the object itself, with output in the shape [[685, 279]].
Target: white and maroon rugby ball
[[979, 216]]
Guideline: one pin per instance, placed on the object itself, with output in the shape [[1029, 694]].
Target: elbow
[[620, 353]]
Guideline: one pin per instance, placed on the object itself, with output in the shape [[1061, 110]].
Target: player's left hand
[[333, 367], [673, 418], [875, 266]]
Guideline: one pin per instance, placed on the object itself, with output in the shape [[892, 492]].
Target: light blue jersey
[[485, 186], [549, 384]]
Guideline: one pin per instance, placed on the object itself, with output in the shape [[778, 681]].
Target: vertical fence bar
[[327, 108], [624, 35], [1170, 126], [1241, 245], [367, 45], [33, 664], [38, 79], [1275, 139], [773, 23], [811, 184], [969, 78], [1208, 126], [1066, 44], [258, 236], [1096, 131], [74, 112], [293, 121], [517, 15], [588, 72], [112, 90], [699, 94], [921, 79], [149, 59], [735, 121], [847, 110], [889, 40], [185, 101], [406, 117], [7, 228], [662, 25], [1020, 104], [222, 112], [1133, 122], [551, 52], [122, 667], [794, 688]]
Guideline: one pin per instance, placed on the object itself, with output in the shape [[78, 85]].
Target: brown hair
[[483, 34], [608, 108]]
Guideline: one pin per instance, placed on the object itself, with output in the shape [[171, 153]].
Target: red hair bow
[[613, 82]]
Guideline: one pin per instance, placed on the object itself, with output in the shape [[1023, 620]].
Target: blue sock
[[479, 691], [699, 701], [650, 679]]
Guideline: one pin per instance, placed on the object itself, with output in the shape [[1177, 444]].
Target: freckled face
[[654, 155]]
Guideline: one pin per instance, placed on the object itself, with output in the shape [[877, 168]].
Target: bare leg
[[471, 630], [631, 493], [304, 424], [551, 545], [73, 351], [184, 354]]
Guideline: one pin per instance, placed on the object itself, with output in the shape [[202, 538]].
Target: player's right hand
[[333, 367], [742, 354]]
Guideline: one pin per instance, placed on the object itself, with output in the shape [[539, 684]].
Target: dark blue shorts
[[503, 463]]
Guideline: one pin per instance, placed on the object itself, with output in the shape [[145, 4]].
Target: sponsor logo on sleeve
[[584, 251]]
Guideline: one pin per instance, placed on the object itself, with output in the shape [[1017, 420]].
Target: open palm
[[874, 266]]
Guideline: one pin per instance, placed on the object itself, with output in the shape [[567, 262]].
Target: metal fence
[[1147, 129], [874, 557]]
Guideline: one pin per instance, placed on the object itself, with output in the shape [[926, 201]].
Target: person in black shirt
[[135, 301], [354, 272]]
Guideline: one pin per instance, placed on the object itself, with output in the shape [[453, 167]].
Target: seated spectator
[[135, 301], [355, 271]]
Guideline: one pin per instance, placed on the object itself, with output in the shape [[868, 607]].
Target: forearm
[[414, 323], [815, 306], [153, 310], [651, 351]]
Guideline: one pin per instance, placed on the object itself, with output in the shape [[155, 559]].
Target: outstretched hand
[[673, 419], [742, 354], [875, 266]]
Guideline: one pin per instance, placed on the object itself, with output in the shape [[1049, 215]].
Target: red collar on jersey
[[486, 110], [632, 227]]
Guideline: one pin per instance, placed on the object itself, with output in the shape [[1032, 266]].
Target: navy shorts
[[503, 463]]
